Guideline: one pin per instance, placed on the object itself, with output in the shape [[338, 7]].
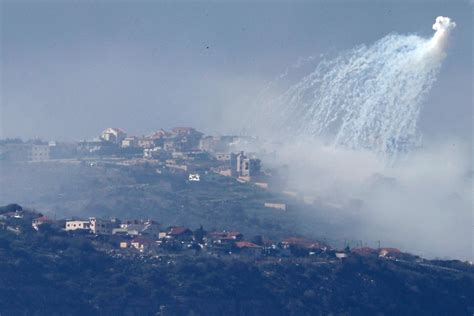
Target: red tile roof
[[178, 230], [246, 244], [42, 219]]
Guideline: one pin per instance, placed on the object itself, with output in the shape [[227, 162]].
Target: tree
[[10, 208]]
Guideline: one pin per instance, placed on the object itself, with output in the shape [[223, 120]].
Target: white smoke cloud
[[421, 205], [369, 99], [442, 26]]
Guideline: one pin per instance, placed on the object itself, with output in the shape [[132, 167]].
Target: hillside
[[65, 190], [48, 273]]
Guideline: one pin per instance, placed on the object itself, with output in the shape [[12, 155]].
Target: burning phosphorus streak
[[368, 98]]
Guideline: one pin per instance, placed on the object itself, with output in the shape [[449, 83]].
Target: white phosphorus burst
[[367, 98]]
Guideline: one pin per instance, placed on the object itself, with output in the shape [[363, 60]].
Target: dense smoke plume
[[369, 97], [349, 132]]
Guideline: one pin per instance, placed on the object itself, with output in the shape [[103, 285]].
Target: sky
[[69, 69]]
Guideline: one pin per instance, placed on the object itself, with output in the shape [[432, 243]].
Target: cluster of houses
[[148, 237], [185, 149], [181, 149]]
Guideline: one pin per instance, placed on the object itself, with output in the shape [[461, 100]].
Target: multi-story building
[[129, 142], [113, 135], [39, 153], [102, 226], [19, 151], [243, 166]]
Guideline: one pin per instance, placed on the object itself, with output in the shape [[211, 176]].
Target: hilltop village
[[184, 151], [180, 150], [148, 237], [178, 223]]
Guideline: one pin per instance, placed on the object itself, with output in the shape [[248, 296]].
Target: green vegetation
[[129, 192], [52, 273]]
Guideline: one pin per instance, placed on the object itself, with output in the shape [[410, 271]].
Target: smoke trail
[[368, 98]]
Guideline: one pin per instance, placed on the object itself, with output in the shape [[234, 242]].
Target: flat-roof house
[[141, 243], [77, 224]]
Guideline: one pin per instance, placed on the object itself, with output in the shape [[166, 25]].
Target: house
[[39, 152], [225, 157], [224, 240], [386, 252], [179, 233], [141, 244], [225, 172], [147, 228], [151, 229], [113, 135], [146, 142], [247, 248], [102, 226], [77, 225], [129, 142], [222, 170], [159, 134], [303, 243], [185, 138], [340, 255], [225, 235], [243, 166], [153, 153], [194, 177], [169, 145], [37, 222]]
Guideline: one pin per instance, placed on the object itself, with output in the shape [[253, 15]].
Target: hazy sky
[[71, 68]]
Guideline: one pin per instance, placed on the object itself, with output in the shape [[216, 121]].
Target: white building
[[129, 142], [113, 135], [79, 224], [194, 177], [147, 228]]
